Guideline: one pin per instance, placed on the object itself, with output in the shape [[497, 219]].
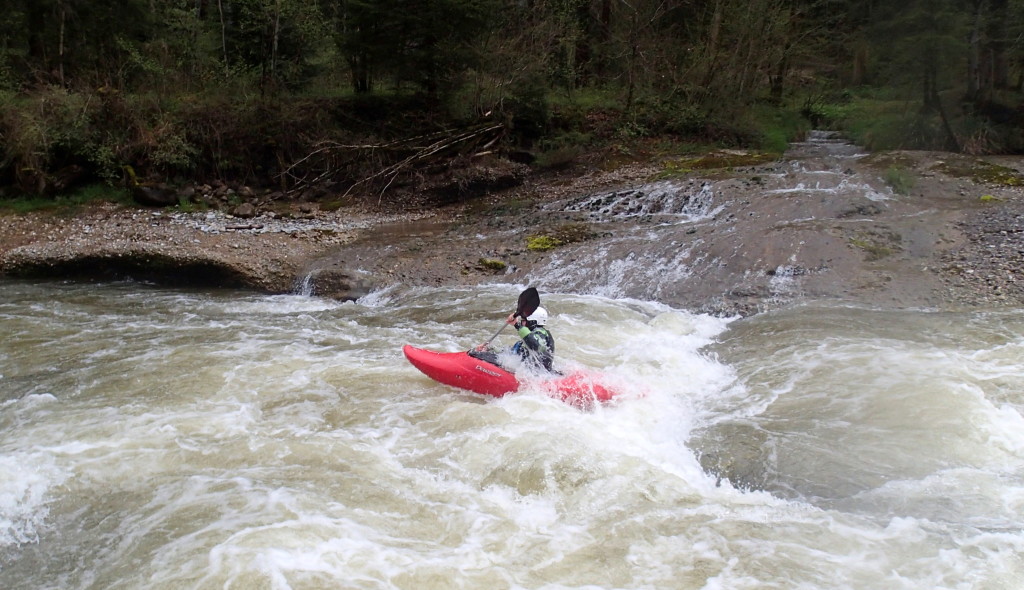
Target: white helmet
[[540, 315]]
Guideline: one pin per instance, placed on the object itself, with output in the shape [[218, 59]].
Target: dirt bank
[[954, 238]]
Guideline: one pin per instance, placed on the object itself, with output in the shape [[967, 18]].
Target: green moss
[[542, 243], [981, 171], [989, 199], [719, 160], [889, 160], [876, 246], [567, 233], [492, 264]]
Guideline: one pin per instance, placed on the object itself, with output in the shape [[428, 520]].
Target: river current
[[168, 439]]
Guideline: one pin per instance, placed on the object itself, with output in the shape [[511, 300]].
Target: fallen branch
[[419, 149]]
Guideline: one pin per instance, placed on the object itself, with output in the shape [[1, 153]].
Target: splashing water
[[169, 439]]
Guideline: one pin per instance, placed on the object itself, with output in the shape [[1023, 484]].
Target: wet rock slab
[[821, 223]]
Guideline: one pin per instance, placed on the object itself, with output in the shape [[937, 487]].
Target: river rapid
[[167, 439]]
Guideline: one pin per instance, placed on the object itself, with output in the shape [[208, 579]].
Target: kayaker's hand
[[511, 318]]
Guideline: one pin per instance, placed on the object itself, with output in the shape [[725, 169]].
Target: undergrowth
[[70, 202]]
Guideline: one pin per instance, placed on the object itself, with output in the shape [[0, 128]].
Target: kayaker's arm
[[532, 340]]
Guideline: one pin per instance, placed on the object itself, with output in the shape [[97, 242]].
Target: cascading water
[[666, 201], [681, 241]]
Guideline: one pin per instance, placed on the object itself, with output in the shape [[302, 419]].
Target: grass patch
[[22, 205], [71, 202], [876, 246], [880, 122], [899, 179], [777, 127], [186, 205], [874, 251]]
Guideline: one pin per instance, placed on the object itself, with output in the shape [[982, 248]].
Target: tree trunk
[[1000, 71], [777, 80], [634, 51], [604, 36], [36, 16], [860, 55], [714, 31], [360, 71], [933, 104], [60, 44], [277, 36], [974, 75], [223, 33]]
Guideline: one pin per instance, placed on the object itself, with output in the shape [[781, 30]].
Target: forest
[[359, 94]]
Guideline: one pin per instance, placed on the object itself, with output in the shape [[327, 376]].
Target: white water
[[168, 439]]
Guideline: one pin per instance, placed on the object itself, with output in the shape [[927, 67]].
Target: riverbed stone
[[932, 247]]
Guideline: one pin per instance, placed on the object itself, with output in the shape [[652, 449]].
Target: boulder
[[244, 211], [335, 283]]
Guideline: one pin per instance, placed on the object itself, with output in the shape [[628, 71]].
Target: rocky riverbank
[[953, 239]]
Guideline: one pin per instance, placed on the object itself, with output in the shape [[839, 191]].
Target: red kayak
[[458, 369]]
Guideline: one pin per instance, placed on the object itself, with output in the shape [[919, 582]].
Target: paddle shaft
[[495, 335]]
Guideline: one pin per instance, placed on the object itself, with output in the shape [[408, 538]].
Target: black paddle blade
[[529, 301]]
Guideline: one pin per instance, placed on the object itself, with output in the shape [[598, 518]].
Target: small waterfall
[[333, 283], [722, 242], [304, 286], [674, 200]]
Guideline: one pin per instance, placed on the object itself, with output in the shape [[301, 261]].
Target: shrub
[[900, 179]]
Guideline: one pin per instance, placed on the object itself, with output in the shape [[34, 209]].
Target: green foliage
[[244, 88], [99, 192], [777, 127], [84, 195], [774, 140], [189, 206], [919, 41], [527, 110], [587, 99], [824, 112], [892, 124], [900, 180], [429, 46], [22, 205]]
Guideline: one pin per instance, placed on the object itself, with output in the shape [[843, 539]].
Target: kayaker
[[536, 347]]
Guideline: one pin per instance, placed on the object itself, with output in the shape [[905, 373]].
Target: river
[[154, 438]]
